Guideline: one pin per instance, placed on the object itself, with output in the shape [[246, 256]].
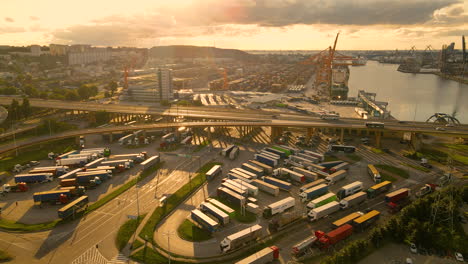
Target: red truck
[[398, 199], [334, 236]]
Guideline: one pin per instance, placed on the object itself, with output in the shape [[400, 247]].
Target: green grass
[[37, 152], [137, 243], [201, 146], [376, 150], [417, 167], [4, 256], [460, 158], [190, 232], [248, 217], [174, 200], [387, 177], [123, 188], [392, 169], [460, 147], [16, 226], [126, 231]]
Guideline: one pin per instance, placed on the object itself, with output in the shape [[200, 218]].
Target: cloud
[[9, 19], [452, 33], [277, 13], [34, 18], [7, 30]]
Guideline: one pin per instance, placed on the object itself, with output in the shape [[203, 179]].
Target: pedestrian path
[[91, 256]]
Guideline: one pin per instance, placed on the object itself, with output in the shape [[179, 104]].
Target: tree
[[14, 110], [71, 95], [84, 92], [102, 117], [30, 90], [26, 108], [112, 87]]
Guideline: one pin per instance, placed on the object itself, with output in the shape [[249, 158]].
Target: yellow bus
[[347, 219], [374, 173]]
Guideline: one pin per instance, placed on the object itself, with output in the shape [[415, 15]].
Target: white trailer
[[335, 177], [267, 169], [231, 196], [71, 162], [321, 157], [253, 190], [349, 189], [225, 152], [125, 139], [311, 184], [309, 175], [222, 217], [94, 163], [341, 166], [221, 206], [246, 172], [234, 153], [295, 176], [234, 188], [266, 187], [352, 200], [308, 157], [233, 176], [279, 206], [323, 211], [240, 238], [150, 162], [70, 174]]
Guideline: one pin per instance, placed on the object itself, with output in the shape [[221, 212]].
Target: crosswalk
[[93, 256]]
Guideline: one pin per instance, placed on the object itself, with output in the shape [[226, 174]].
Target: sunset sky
[[241, 24]]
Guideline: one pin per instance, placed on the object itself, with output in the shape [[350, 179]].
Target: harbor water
[[410, 96]]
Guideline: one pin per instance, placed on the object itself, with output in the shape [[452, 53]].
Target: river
[[410, 96]]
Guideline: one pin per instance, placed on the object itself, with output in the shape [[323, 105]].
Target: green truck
[[286, 151], [322, 200]]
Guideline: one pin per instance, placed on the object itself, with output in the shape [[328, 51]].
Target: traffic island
[[190, 232]]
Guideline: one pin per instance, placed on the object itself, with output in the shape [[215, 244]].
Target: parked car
[[413, 248], [459, 257]]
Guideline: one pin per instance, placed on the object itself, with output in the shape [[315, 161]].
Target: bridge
[[277, 126]]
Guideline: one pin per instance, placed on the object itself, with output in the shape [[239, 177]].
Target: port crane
[[324, 62]]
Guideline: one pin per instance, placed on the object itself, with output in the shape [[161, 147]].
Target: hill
[[182, 51]]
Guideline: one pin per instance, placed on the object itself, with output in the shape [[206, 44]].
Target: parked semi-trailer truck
[[234, 153], [204, 221], [379, 188], [347, 219], [321, 157], [232, 196], [331, 238], [275, 151], [266, 187], [228, 210], [55, 170], [322, 200], [151, 161], [73, 207], [330, 164], [61, 196], [398, 199], [366, 220], [313, 192], [287, 152], [271, 155], [225, 152], [309, 175], [240, 238], [70, 174], [311, 184], [294, 176], [353, 200], [253, 190], [302, 247], [322, 211], [266, 160], [308, 157], [283, 220], [213, 172], [235, 188], [266, 255], [279, 206], [279, 183], [242, 172], [253, 169], [73, 162], [209, 208], [32, 178], [349, 189], [266, 168], [336, 176]]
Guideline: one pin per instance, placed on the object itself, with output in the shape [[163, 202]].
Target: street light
[[168, 234]]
